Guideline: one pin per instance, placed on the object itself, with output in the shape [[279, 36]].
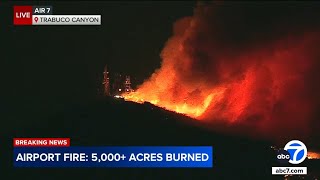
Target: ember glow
[[215, 69], [313, 155], [183, 106]]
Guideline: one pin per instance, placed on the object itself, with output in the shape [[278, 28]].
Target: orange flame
[[313, 155], [263, 83], [184, 107]]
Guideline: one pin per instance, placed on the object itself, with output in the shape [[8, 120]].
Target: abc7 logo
[[283, 156], [294, 152]]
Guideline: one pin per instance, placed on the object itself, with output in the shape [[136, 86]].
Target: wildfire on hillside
[[215, 69]]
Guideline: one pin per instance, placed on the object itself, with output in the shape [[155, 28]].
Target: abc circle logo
[[283, 156], [294, 152], [297, 150]]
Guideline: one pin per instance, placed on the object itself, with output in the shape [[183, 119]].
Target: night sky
[[52, 67], [50, 77]]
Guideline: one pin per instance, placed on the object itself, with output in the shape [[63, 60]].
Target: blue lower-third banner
[[137, 156]]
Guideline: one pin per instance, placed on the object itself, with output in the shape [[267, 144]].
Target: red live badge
[[22, 15]]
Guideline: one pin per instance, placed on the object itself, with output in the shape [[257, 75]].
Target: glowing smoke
[[242, 64]]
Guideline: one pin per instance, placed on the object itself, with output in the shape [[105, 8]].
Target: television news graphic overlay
[[66, 20], [41, 142], [115, 157], [43, 15], [294, 152], [283, 156], [22, 15], [44, 10], [297, 150], [289, 170]]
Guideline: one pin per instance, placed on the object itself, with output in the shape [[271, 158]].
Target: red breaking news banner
[[22, 15], [41, 142]]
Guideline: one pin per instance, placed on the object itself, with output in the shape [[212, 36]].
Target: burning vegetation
[[237, 63], [313, 155]]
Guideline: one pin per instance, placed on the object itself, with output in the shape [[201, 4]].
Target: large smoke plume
[[253, 65]]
